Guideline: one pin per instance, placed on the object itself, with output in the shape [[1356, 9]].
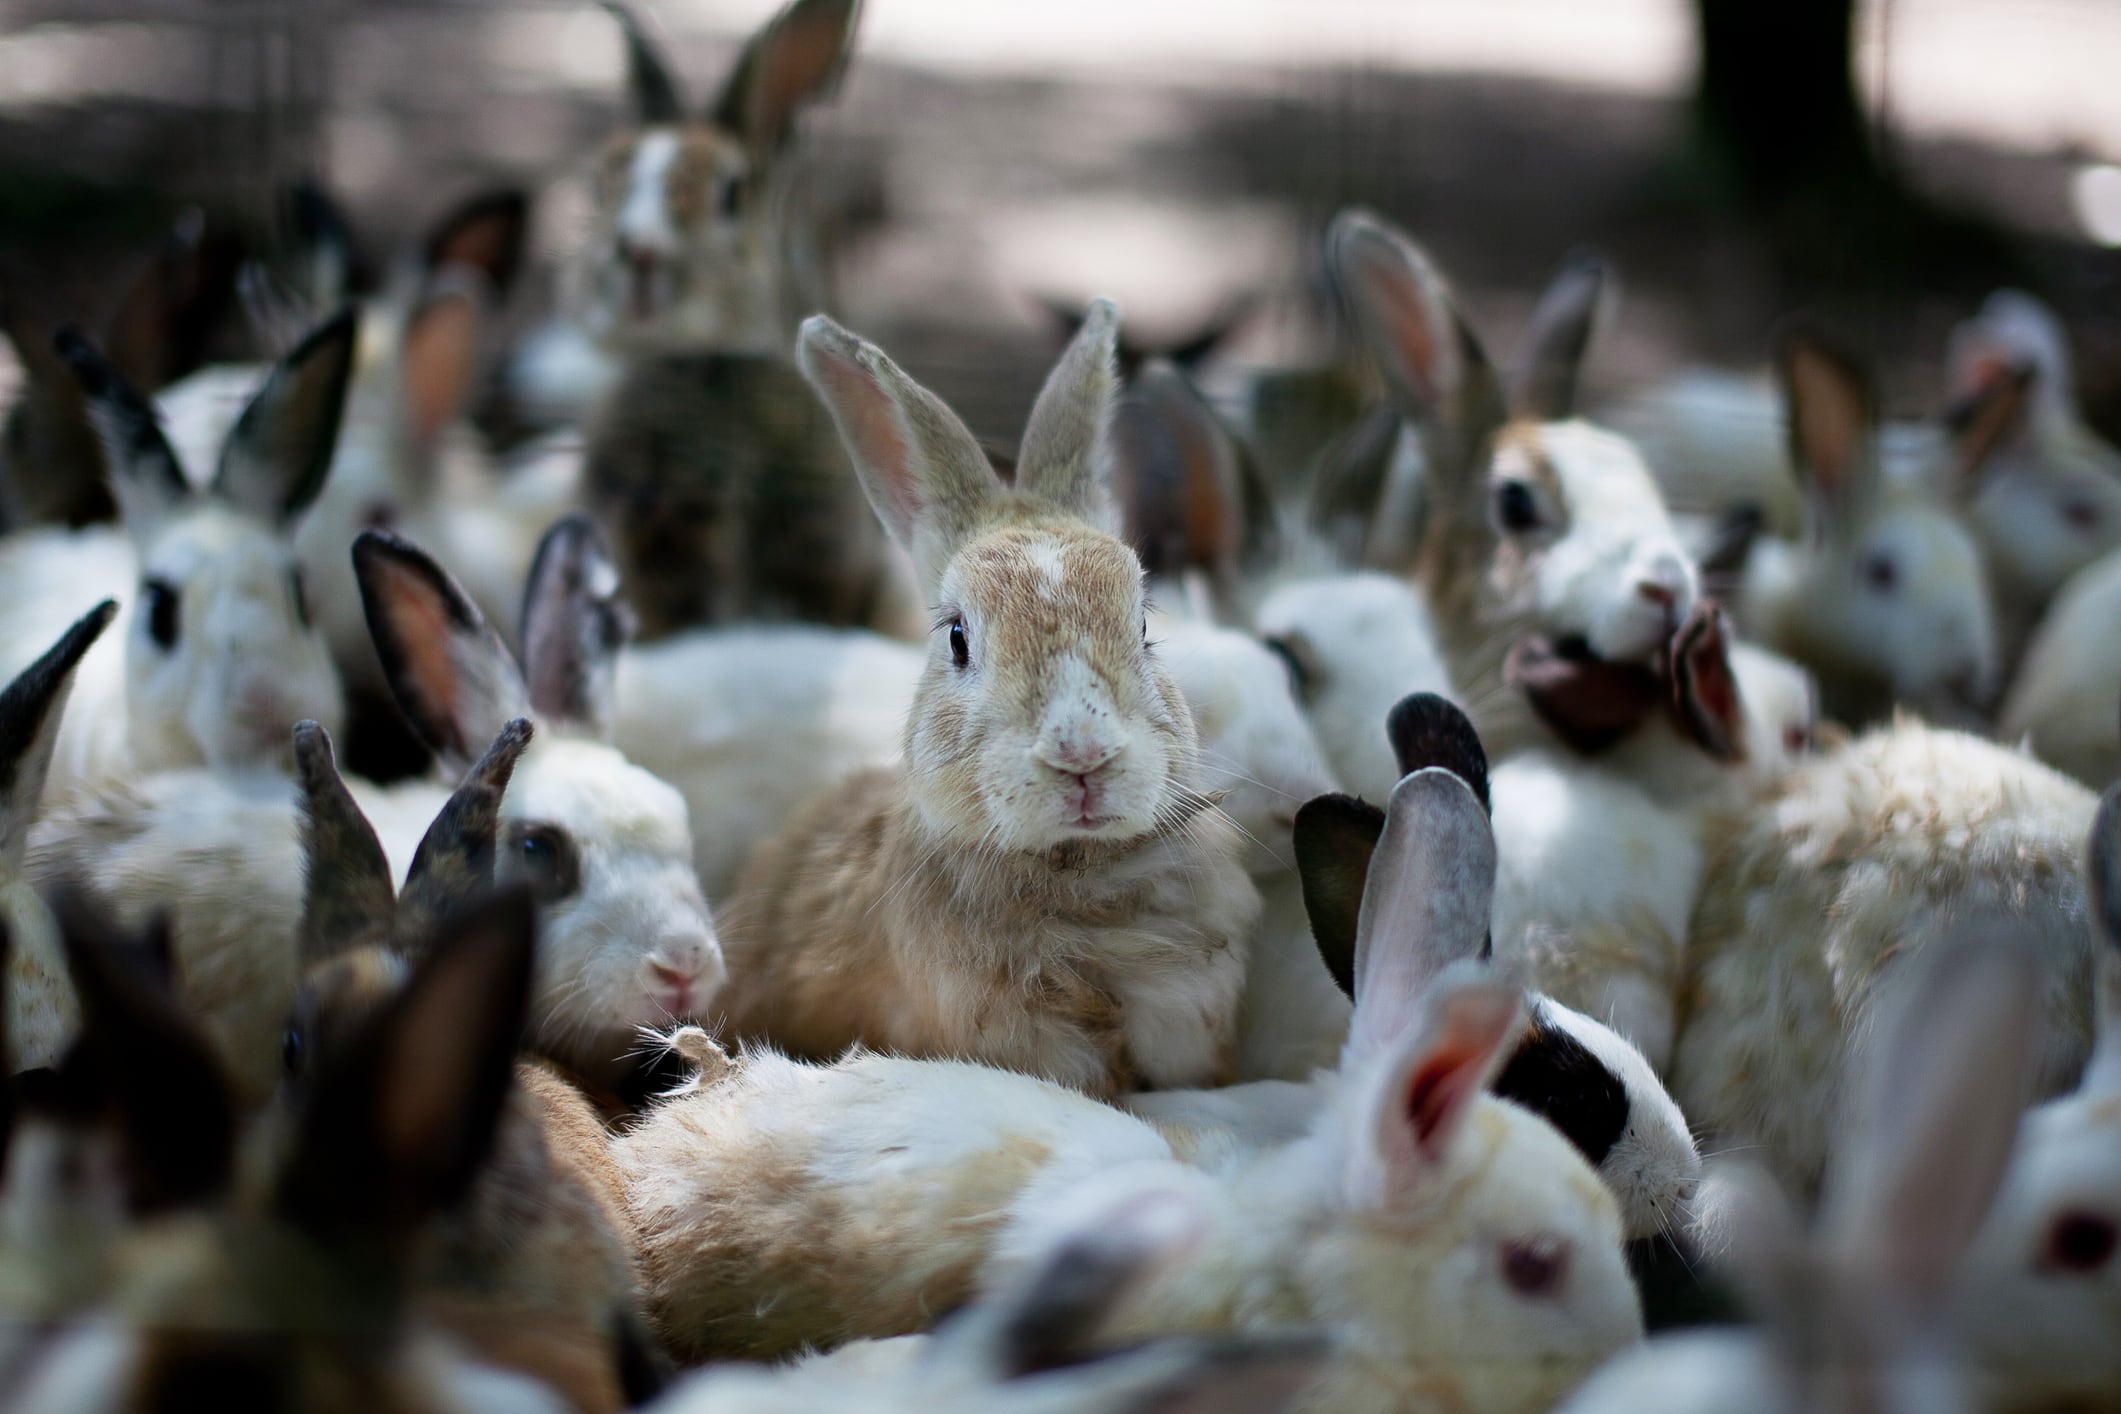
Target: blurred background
[[1885, 161]]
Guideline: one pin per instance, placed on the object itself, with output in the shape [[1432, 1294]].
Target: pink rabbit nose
[[676, 983], [1074, 755]]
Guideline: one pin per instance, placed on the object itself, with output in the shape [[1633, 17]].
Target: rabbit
[[42, 1013], [1817, 882], [276, 1272], [1716, 440], [1043, 884], [1456, 1248], [1887, 601], [1533, 527], [221, 657], [1860, 1316], [532, 1268], [1033, 1347], [2062, 699], [629, 939], [710, 461]]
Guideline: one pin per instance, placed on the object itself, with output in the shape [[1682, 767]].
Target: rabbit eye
[[960, 646], [298, 592], [1535, 1269], [161, 605], [291, 1051], [1880, 573], [1516, 509], [2081, 1242], [731, 202], [1296, 661], [548, 859]]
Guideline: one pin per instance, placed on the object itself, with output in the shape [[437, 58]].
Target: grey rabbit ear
[[145, 474], [1429, 730], [347, 893], [1336, 835], [1179, 478], [657, 98], [574, 626], [30, 710], [280, 449], [1576, 300], [795, 61], [454, 864], [1064, 452]]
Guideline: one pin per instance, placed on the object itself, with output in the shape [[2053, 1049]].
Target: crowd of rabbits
[[744, 897]]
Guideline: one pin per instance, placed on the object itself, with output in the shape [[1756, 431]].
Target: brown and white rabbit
[[1534, 525], [532, 1268], [1458, 1250], [1042, 885], [726, 493], [220, 657]]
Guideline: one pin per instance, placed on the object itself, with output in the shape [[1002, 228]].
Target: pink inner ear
[[870, 421], [1409, 324], [438, 361], [1436, 1093]]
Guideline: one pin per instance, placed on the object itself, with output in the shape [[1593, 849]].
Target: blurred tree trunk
[[1775, 96]]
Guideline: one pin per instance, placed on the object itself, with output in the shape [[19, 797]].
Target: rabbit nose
[[676, 986], [1075, 755]]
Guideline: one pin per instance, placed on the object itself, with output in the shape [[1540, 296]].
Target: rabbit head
[[604, 846], [1893, 593], [685, 248], [221, 656], [1044, 717], [1534, 524], [2042, 490]]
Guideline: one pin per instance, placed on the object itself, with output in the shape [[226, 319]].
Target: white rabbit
[[1042, 885], [2065, 700], [1860, 1317], [1533, 527], [1459, 1251], [1717, 443], [220, 657], [42, 1014]]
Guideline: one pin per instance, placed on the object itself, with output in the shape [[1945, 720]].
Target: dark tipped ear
[[160, 329], [30, 710], [280, 449], [453, 867], [400, 1122], [1567, 315], [451, 676], [1428, 730], [1178, 477], [1335, 837], [1832, 407], [1059, 1312], [1992, 417], [1705, 700], [574, 625], [650, 80], [319, 229], [486, 234], [794, 62], [175, 1111], [347, 898], [144, 471]]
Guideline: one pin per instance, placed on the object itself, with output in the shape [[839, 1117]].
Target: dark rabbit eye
[[2081, 1242], [960, 646], [298, 592], [1515, 508], [1535, 1269], [161, 604], [549, 861], [1880, 573]]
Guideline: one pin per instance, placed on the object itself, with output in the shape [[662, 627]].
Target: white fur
[[643, 219], [1715, 441], [2066, 699]]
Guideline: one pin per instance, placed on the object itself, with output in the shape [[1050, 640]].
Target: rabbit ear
[[280, 449], [1420, 1097], [454, 864], [1062, 458], [1705, 697], [1336, 837], [1428, 730], [1425, 905], [1576, 301], [486, 234], [452, 677], [471, 257], [30, 711], [347, 897], [401, 1120], [175, 1110], [1832, 408], [160, 329], [1992, 417], [794, 62], [574, 625], [650, 80], [320, 231], [920, 465], [145, 474], [1933, 1116], [1179, 478], [2102, 857]]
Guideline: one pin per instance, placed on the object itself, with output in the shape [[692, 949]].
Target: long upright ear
[[921, 466], [795, 61], [574, 625], [1403, 312], [1706, 703], [174, 1107], [1418, 1100], [650, 81], [1063, 455], [1932, 1119], [1179, 478], [400, 1122], [1426, 730], [30, 709], [454, 864], [452, 677], [1425, 905], [2102, 861], [280, 449], [485, 233], [145, 474], [322, 234], [347, 898], [1832, 408], [1336, 836], [1992, 417], [470, 259], [160, 328], [2015, 330], [1576, 301]]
